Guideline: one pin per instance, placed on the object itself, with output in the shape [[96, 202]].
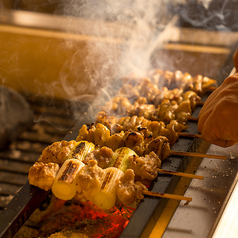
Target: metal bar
[[19, 209]]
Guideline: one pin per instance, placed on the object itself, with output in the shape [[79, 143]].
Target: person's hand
[[235, 59], [218, 118]]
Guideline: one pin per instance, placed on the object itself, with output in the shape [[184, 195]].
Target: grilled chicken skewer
[[140, 142], [101, 186], [43, 172], [97, 184], [143, 96]]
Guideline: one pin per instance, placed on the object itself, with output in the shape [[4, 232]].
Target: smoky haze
[[134, 28]]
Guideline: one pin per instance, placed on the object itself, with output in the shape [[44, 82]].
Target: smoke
[[122, 36], [117, 38]]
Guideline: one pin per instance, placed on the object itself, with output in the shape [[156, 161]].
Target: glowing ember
[[63, 219]]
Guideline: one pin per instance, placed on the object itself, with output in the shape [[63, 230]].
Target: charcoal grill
[[29, 197]]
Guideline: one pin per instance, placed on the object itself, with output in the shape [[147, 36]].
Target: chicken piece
[[132, 123], [158, 99], [141, 100], [147, 89], [167, 94], [177, 126], [146, 110], [184, 81], [160, 146], [145, 132], [109, 121], [89, 178], [197, 81], [182, 117], [169, 113], [103, 156], [116, 140], [96, 134], [207, 82], [57, 152], [100, 135], [192, 97], [156, 128], [128, 123], [119, 105], [145, 167], [174, 94], [156, 76], [163, 108], [83, 133], [130, 92], [129, 191], [182, 112], [135, 141], [170, 133], [43, 175], [168, 77], [165, 151], [178, 78], [184, 106]]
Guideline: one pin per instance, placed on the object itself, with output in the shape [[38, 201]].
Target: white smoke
[[127, 32]]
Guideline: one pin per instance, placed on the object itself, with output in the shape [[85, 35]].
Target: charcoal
[[15, 115]]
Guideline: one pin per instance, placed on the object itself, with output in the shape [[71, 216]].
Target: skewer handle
[[200, 103], [189, 135], [198, 155], [180, 174], [166, 195], [193, 118]]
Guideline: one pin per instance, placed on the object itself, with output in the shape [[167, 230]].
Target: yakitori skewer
[[164, 171], [166, 195]]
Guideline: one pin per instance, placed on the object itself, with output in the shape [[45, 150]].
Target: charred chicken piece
[[57, 152], [197, 81], [207, 83], [160, 146], [146, 127], [192, 97], [43, 175], [116, 140], [145, 167], [129, 191], [89, 178], [96, 134], [103, 156]]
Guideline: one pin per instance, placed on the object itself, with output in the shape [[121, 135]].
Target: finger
[[222, 143], [202, 119]]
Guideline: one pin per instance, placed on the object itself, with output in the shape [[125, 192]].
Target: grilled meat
[[43, 175], [129, 191]]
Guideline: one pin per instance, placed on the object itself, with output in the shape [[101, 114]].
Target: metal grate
[[53, 120]]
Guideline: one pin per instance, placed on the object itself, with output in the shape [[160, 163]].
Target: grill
[[22, 153], [55, 125], [54, 122]]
